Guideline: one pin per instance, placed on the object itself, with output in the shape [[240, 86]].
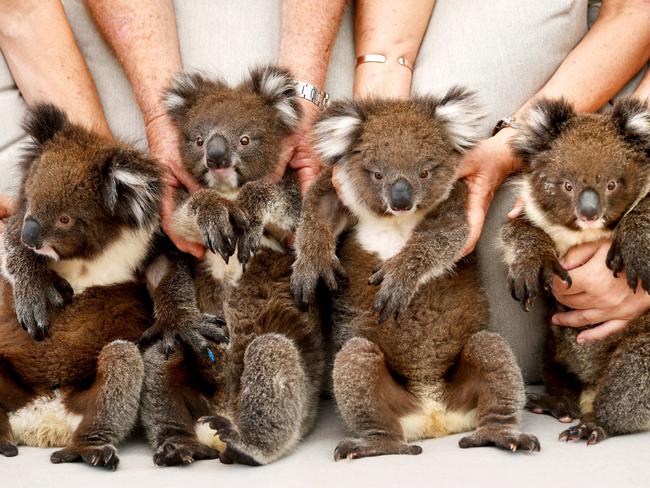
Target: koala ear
[[43, 121], [184, 92], [132, 187], [278, 88], [337, 130], [461, 112], [632, 119], [544, 122]]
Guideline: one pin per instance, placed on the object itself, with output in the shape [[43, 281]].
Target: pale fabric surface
[[464, 45]]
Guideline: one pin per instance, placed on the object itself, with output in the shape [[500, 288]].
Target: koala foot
[[174, 452], [8, 449], [229, 435], [396, 291], [590, 431], [373, 446], [36, 298], [630, 254], [557, 407], [527, 279], [249, 241], [307, 271], [103, 455], [503, 437]]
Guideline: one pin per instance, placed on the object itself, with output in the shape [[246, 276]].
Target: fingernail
[[580, 340], [555, 320]]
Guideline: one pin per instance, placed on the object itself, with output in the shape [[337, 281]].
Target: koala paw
[[36, 297], [528, 278], [630, 254], [104, 456], [220, 221], [589, 431], [249, 242], [307, 271], [396, 289], [196, 330]]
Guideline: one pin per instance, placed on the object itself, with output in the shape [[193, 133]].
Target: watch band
[[502, 124], [314, 95], [380, 58]]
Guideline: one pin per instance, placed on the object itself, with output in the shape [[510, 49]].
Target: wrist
[[508, 160], [390, 80]]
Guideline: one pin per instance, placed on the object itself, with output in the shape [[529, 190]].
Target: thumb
[[579, 255]]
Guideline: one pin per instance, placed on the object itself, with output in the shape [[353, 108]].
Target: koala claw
[[249, 242], [307, 273], [395, 293], [629, 256], [527, 280]]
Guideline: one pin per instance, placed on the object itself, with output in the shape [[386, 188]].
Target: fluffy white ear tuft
[[632, 118], [278, 87], [184, 91], [461, 112], [335, 133]]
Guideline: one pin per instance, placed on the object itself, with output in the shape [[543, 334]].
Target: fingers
[[579, 255], [477, 206], [517, 209], [602, 331], [167, 210], [6, 206], [307, 176], [581, 318], [287, 151]]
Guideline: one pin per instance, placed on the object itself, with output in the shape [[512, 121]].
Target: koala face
[[585, 171], [397, 157], [81, 189], [231, 135]]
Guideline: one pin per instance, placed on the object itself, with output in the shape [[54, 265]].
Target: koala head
[[396, 157], [80, 189], [583, 171], [231, 135]]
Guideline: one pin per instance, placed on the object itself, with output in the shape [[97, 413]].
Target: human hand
[[297, 150], [6, 208], [596, 296], [164, 147], [484, 168]]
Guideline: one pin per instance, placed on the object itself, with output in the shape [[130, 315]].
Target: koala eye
[[568, 186], [244, 140], [378, 175], [424, 174], [199, 141], [64, 220], [611, 186]]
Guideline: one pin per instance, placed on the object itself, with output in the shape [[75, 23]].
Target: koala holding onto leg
[[86, 220], [585, 178], [414, 359], [262, 394]]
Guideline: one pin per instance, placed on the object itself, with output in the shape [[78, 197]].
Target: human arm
[[392, 29], [596, 69], [144, 38], [308, 30]]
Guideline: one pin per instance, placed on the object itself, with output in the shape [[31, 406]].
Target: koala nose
[[589, 204], [401, 195], [218, 154], [31, 234]]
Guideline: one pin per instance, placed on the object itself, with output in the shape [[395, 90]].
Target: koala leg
[[490, 365], [109, 407], [275, 407], [169, 406], [12, 397], [622, 401], [371, 402]]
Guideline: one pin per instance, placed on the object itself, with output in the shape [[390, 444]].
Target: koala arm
[[322, 220], [430, 252], [176, 311], [530, 256], [37, 290], [264, 202], [630, 250]]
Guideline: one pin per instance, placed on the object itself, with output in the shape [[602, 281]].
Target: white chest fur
[[221, 271], [117, 264]]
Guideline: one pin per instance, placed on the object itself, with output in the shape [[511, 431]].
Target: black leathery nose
[[31, 233], [589, 204], [217, 153], [401, 195]]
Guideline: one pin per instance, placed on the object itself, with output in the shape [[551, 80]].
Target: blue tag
[[211, 356]]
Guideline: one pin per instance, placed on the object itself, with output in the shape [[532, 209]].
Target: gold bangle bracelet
[[380, 58]]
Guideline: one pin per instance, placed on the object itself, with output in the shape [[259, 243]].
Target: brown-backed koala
[[86, 219], [425, 367], [262, 393], [585, 178]]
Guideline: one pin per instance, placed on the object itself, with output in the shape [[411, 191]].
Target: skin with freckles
[[586, 177]]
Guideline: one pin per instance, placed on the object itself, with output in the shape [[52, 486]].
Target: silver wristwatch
[[314, 95]]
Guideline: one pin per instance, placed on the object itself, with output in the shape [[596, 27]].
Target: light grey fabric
[[506, 52], [619, 462]]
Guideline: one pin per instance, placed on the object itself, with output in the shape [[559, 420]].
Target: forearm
[[392, 29], [614, 49], [643, 90], [144, 38], [45, 62]]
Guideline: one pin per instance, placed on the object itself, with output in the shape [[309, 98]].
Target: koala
[[413, 359], [261, 391], [585, 178], [87, 217]]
